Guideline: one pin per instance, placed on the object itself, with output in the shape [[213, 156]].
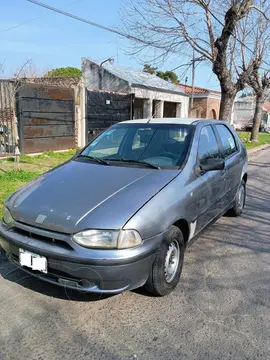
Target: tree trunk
[[226, 105], [257, 117]]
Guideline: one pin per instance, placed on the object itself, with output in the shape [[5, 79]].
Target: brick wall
[[199, 108], [206, 108], [213, 106]]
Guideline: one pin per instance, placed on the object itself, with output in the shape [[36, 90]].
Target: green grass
[[264, 138], [30, 167], [11, 180]]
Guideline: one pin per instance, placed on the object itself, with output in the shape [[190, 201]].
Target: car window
[[227, 140], [108, 143], [163, 145], [208, 146], [141, 138]]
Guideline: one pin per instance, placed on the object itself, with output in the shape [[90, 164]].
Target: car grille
[[30, 232]]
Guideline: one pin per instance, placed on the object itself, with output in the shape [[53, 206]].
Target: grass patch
[[18, 175], [48, 157], [263, 139], [11, 181], [30, 167]]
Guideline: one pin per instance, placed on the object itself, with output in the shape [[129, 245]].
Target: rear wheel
[[167, 267], [239, 201]]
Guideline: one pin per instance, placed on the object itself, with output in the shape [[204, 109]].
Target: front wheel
[[167, 267], [239, 201]]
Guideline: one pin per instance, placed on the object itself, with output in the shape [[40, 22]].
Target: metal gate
[[46, 118], [106, 108], [8, 124]]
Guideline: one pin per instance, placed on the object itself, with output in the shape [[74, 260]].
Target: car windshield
[[154, 145]]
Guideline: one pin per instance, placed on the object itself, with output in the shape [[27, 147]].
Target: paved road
[[220, 310]]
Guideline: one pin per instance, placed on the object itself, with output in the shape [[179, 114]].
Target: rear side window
[[227, 140], [208, 146]]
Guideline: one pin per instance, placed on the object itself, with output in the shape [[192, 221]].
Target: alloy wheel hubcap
[[241, 197], [171, 261]]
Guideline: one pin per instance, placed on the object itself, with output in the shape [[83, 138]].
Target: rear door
[[211, 185], [233, 164]]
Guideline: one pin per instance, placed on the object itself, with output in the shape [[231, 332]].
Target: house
[[266, 116], [153, 96], [243, 113], [206, 102]]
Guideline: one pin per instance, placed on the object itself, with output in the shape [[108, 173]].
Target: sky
[[54, 40]]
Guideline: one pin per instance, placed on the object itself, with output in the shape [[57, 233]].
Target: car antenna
[[151, 118]]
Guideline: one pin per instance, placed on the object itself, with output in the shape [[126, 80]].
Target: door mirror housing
[[212, 164]]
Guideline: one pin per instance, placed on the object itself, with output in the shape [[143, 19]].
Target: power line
[[103, 27], [36, 18], [130, 37]]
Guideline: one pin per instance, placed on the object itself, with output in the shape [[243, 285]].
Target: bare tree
[[259, 78], [207, 27], [1, 68], [27, 70], [260, 84]]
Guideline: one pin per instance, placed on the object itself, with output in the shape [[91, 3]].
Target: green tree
[[165, 75], [149, 69], [168, 76], [64, 72]]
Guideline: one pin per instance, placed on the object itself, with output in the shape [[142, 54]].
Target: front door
[[211, 185]]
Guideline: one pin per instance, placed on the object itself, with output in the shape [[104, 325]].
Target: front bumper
[[97, 271]]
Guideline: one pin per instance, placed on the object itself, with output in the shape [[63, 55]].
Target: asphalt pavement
[[220, 309]]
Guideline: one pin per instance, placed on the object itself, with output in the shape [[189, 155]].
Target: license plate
[[33, 261]]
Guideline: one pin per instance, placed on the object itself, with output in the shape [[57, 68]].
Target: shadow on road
[[15, 275]]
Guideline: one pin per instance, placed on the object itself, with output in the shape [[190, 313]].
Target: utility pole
[[193, 62], [193, 81]]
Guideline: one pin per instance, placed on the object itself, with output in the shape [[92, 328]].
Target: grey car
[[119, 214]]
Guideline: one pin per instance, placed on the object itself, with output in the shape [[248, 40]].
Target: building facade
[[206, 102], [243, 113], [153, 96]]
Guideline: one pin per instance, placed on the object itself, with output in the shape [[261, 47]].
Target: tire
[[240, 201], [167, 267]]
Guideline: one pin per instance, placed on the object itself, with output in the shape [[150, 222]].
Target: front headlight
[[8, 219], [108, 239]]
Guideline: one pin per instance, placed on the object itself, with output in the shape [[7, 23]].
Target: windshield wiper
[[101, 161], [136, 162]]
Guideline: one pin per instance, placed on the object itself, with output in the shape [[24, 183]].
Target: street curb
[[256, 149]]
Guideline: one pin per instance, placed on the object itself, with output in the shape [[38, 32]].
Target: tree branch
[[260, 11]]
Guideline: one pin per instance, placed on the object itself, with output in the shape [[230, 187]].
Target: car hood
[[80, 195]]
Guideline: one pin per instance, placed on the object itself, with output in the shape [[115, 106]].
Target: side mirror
[[212, 164]]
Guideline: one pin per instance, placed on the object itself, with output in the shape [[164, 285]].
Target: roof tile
[[197, 90]]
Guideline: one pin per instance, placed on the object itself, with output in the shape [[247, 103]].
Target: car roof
[[180, 121]]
